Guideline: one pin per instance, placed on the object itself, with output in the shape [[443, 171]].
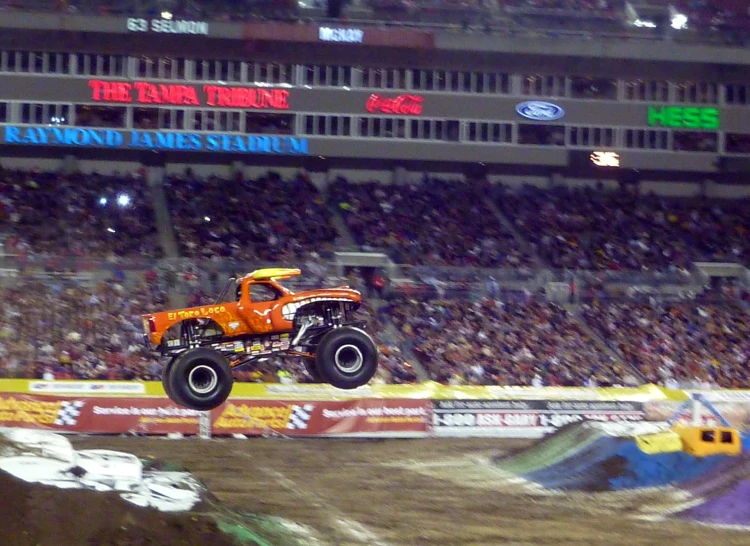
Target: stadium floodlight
[[679, 20], [111, 230], [123, 200], [103, 201], [644, 24], [166, 15], [206, 218]]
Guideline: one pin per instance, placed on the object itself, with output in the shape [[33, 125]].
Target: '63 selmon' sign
[[529, 414]]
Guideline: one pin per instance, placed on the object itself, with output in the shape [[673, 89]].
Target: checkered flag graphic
[[69, 412], [300, 417]]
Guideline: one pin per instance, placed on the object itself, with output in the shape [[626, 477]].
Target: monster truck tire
[[200, 379], [346, 358], [165, 380]]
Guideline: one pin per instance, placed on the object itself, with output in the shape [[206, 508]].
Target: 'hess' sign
[[189, 95]]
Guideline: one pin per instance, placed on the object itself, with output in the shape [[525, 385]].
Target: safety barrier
[[427, 409]]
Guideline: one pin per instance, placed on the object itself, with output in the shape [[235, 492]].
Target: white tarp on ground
[[47, 458]]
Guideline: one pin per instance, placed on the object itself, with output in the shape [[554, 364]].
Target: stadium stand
[[93, 330], [76, 215], [266, 219], [702, 345], [589, 229], [494, 342], [56, 329], [438, 223]]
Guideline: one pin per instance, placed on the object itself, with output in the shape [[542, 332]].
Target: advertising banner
[[354, 417], [87, 387], [426, 390], [525, 418], [96, 415]]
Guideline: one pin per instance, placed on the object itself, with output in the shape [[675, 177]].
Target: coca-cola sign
[[405, 105]]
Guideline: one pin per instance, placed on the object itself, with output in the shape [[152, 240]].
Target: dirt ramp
[[551, 449], [605, 457], [40, 515]]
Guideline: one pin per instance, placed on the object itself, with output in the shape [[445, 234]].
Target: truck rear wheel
[[200, 379], [346, 358]]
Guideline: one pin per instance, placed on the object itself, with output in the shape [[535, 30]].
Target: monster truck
[[255, 318]]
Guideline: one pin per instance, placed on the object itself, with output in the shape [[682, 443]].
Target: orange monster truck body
[[255, 317]]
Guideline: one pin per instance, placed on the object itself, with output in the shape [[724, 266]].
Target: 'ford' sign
[[540, 111]]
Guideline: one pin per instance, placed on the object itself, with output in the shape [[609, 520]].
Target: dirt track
[[408, 493]]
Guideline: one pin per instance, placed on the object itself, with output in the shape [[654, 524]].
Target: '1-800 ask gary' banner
[[251, 417], [488, 415]]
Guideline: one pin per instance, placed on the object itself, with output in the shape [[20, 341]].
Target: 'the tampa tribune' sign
[[189, 95], [153, 140]]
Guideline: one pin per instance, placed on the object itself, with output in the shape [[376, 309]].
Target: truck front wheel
[[346, 358], [200, 379]]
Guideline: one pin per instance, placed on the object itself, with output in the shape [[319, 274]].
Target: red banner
[[365, 416], [250, 417]]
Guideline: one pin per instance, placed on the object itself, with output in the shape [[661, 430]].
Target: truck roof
[[273, 273]]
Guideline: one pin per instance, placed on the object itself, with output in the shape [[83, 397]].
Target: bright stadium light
[[679, 21], [123, 200], [111, 230], [103, 201], [166, 15], [206, 218], [644, 24]]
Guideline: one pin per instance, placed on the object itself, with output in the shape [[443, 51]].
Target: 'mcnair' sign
[[343, 35]]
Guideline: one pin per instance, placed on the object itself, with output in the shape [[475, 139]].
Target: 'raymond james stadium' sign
[[152, 140]]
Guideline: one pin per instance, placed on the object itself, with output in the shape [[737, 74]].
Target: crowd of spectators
[[263, 220], [76, 214], [437, 222], [597, 230], [679, 343], [493, 342], [57, 329]]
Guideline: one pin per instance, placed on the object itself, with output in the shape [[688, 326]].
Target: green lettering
[[674, 117], [656, 116], [710, 118], [684, 117], [691, 117]]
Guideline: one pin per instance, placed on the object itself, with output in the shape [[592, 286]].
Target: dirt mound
[[39, 515]]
